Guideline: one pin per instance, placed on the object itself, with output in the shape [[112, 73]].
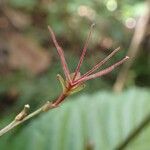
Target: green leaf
[[101, 121], [78, 88], [62, 81]]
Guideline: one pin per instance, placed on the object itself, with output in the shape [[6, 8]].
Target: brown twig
[[134, 48]]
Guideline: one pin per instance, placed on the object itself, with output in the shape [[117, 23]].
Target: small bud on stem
[[23, 113]]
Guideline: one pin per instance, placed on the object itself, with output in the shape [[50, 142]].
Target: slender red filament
[[103, 72], [100, 63], [83, 52], [61, 55]]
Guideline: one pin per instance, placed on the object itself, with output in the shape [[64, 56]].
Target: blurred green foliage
[[100, 121]]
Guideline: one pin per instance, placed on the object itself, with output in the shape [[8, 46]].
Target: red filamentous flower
[[75, 81]]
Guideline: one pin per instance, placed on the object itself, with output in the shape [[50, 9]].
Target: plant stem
[[15, 123], [47, 106], [134, 133]]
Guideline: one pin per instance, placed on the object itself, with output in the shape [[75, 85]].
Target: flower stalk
[[73, 82]]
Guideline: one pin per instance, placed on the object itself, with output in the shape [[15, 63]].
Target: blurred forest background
[[29, 64]]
